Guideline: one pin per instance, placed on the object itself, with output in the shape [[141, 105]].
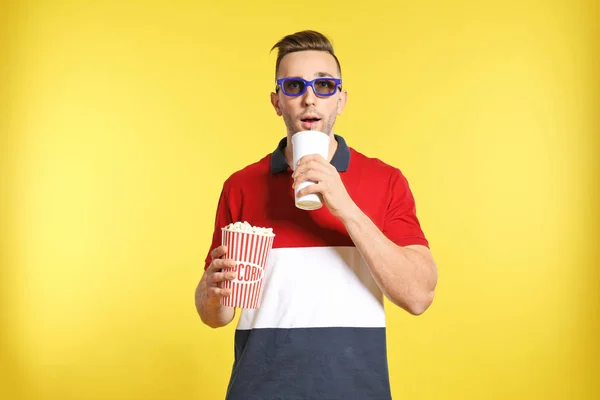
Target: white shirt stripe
[[314, 287]]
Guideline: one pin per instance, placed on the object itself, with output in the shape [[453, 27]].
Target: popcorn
[[247, 228]]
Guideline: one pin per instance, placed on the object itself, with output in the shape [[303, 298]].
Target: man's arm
[[209, 294], [406, 275]]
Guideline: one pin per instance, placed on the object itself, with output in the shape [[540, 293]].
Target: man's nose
[[309, 96]]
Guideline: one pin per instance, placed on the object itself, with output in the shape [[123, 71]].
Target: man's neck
[[289, 158]]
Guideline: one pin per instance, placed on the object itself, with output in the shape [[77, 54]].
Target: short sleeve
[[401, 224], [222, 218]]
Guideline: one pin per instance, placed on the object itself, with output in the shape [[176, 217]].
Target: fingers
[[218, 264], [311, 157], [215, 276], [310, 172], [313, 176], [218, 252], [311, 164], [218, 277], [217, 292], [315, 188]]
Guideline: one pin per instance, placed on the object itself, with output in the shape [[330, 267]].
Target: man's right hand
[[209, 291], [215, 275]]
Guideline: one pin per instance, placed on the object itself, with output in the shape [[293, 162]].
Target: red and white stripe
[[246, 248]]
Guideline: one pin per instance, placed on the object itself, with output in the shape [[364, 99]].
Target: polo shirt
[[320, 330]]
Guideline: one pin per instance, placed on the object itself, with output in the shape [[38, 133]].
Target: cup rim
[[309, 131]]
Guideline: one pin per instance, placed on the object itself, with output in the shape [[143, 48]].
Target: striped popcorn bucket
[[251, 252]]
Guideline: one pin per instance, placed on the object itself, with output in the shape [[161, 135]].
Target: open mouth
[[309, 123]]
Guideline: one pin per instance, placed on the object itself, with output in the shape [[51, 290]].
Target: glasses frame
[[282, 81]]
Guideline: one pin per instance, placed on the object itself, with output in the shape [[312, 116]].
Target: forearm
[[406, 276], [211, 312]]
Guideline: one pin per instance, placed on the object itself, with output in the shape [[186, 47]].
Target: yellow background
[[120, 121]]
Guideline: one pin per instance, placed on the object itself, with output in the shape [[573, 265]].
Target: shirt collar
[[340, 160]]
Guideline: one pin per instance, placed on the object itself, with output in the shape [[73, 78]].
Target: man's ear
[[342, 99], [276, 104]]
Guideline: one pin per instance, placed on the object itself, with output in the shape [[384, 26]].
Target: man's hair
[[303, 41]]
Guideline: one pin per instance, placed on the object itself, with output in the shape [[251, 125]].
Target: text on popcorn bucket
[[247, 272]]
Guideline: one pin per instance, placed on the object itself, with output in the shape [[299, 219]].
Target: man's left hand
[[328, 183]]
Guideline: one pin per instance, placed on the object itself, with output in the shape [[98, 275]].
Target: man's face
[[308, 111]]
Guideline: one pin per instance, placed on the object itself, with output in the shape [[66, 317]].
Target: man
[[320, 330]]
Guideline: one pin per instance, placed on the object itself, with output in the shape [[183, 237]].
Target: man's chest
[[271, 205]]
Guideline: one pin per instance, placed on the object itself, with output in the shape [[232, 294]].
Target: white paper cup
[[303, 144], [250, 251]]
